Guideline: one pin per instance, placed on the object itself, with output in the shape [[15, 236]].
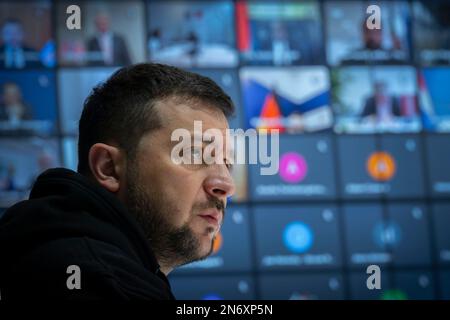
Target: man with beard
[[130, 215]]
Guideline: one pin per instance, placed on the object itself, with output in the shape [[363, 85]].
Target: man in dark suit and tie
[[107, 47], [381, 106], [13, 52]]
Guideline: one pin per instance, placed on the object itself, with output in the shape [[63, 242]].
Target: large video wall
[[364, 117]]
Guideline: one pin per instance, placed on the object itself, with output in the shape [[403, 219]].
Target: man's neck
[[165, 269], [164, 266]]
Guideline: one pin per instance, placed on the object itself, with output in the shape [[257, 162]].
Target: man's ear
[[107, 164]]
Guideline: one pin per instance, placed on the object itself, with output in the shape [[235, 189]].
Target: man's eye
[[196, 153], [192, 155]]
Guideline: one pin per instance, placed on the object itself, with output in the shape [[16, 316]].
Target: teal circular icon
[[298, 237]]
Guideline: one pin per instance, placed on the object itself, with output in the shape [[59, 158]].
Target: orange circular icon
[[217, 243], [381, 166]]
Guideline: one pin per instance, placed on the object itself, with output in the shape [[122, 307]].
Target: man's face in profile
[[180, 206]]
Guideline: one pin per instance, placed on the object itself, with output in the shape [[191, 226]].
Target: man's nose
[[219, 183]]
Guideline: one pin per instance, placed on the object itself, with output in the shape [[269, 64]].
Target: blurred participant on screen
[[12, 106], [21, 161], [381, 107], [13, 52], [194, 34], [107, 47], [7, 182], [431, 25], [279, 33], [378, 45], [378, 99], [351, 41], [27, 103]]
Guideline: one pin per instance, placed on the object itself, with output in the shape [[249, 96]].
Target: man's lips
[[212, 216]]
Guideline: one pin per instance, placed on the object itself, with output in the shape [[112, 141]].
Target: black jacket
[[69, 220]]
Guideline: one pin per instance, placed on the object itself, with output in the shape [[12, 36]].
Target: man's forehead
[[182, 115]]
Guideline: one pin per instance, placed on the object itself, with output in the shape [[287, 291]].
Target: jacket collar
[[99, 202]]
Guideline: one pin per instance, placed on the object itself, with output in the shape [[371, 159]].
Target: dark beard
[[172, 246]]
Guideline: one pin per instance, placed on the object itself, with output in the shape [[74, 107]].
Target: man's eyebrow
[[192, 139], [205, 137]]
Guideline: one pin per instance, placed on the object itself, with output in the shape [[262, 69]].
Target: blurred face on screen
[[102, 22], [12, 34], [372, 38], [380, 89], [180, 206], [11, 94]]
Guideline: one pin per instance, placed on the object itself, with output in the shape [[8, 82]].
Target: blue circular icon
[[298, 237], [387, 234]]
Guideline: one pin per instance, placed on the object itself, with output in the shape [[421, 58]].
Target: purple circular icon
[[293, 167]]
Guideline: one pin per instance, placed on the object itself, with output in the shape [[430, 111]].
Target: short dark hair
[[121, 109]]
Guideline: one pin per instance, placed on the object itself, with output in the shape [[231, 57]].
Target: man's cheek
[[198, 226], [179, 219]]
